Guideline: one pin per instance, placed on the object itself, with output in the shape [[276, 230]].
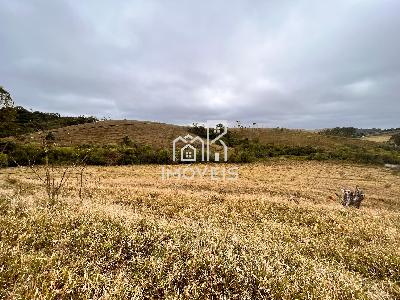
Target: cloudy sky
[[298, 64]]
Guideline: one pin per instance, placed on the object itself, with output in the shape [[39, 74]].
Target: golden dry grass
[[276, 233], [161, 135], [112, 132], [383, 138], [299, 137]]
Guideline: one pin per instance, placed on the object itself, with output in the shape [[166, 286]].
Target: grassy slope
[[162, 135], [300, 138], [28, 122], [268, 142], [277, 233], [381, 138], [109, 132]]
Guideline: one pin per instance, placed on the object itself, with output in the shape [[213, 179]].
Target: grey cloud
[[307, 64]]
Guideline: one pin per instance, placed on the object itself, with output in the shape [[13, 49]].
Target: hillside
[[158, 135], [162, 135], [381, 137], [26, 126], [150, 142], [292, 137], [16, 121]]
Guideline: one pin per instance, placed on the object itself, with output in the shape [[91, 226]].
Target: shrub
[[164, 157], [126, 141], [242, 157], [128, 157], [50, 137], [342, 131], [96, 157], [25, 155], [63, 155], [395, 139], [3, 160]]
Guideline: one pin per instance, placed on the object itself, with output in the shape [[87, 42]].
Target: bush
[[242, 157], [24, 155], [395, 139], [50, 137], [164, 157], [126, 141], [128, 157], [319, 156], [95, 157], [3, 160], [63, 155], [244, 151], [342, 131]]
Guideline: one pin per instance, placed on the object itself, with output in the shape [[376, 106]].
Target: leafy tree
[[342, 131], [395, 139], [50, 137], [5, 98], [126, 141], [27, 121], [7, 112]]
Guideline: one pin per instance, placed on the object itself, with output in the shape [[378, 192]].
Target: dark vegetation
[[248, 151], [15, 154], [353, 132], [18, 121], [343, 131], [395, 139], [241, 151]]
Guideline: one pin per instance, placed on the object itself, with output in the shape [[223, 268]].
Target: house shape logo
[[188, 153]]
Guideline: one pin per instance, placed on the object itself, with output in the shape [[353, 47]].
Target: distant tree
[[395, 139], [7, 112], [219, 128], [342, 131], [17, 120], [126, 141], [5, 98], [198, 130], [50, 137]]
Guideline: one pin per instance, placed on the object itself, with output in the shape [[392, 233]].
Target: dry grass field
[[298, 137], [112, 132], [378, 138], [278, 232]]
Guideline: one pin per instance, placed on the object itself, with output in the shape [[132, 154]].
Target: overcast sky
[[298, 64]]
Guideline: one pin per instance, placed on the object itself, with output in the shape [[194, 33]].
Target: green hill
[[25, 121]]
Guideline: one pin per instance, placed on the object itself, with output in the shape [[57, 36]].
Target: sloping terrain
[[162, 135], [382, 138], [293, 137], [19, 121], [112, 132]]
